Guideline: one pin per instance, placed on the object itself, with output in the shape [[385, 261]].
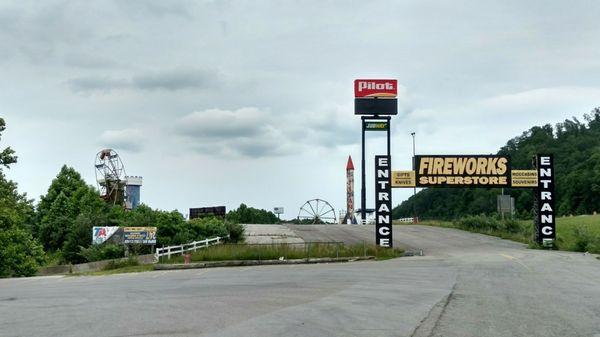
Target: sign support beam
[[363, 180]]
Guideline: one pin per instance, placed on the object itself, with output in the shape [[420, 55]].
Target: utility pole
[[363, 182], [415, 187]]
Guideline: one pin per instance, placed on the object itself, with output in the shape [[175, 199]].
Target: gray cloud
[[171, 80], [175, 79], [242, 132], [96, 83], [263, 133], [40, 32], [87, 61], [141, 8], [125, 139], [216, 123]]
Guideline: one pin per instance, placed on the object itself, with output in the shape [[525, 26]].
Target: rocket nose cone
[[350, 165]]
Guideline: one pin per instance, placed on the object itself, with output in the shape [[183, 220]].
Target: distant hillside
[[576, 146]]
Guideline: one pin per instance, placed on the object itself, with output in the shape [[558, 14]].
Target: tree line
[[576, 148], [59, 228]]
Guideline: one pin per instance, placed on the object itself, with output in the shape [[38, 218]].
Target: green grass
[[578, 233], [121, 270], [287, 251]]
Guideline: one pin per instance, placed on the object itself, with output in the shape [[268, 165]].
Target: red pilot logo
[[375, 88]]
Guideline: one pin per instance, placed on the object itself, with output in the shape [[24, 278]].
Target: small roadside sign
[[403, 179]]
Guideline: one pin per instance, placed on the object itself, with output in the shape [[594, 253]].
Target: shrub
[[121, 264], [103, 252], [511, 225], [236, 231], [585, 241], [480, 222], [20, 254]]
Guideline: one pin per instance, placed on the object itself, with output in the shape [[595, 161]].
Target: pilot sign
[[383, 201]]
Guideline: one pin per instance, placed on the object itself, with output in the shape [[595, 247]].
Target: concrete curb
[[238, 263]]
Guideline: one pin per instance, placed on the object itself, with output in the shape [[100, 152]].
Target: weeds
[[286, 252], [117, 264]]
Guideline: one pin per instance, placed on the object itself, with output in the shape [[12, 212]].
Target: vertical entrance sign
[[545, 226], [383, 201]]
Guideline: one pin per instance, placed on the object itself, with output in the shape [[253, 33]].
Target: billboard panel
[[371, 106], [218, 211], [376, 126], [140, 235], [524, 178], [375, 88], [403, 178], [462, 171], [101, 234]]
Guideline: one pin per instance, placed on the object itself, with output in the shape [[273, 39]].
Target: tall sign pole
[[363, 179], [375, 101]]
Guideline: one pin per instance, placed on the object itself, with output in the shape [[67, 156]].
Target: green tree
[[93, 211], [70, 184], [7, 156], [20, 254], [207, 227], [67, 198], [55, 223], [251, 215], [172, 228]]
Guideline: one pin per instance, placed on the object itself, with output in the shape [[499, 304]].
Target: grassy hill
[[576, 149], [573, 233]]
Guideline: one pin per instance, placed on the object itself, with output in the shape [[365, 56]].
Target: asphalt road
[[465, 285]]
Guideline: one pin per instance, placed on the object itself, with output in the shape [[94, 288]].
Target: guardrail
[[192, 246], [407, 220]]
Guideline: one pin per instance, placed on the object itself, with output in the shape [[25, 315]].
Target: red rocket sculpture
[[349, 218]]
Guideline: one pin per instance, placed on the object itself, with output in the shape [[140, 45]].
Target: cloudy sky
[[223, 102]]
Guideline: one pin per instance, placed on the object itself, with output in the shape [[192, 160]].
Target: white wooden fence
[[192, 246], [406, 220]]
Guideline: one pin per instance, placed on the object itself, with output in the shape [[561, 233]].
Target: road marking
[[512, 258]]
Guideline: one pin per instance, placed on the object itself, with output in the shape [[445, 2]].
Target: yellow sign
[[403, 178], [524, 178], [462, 170]]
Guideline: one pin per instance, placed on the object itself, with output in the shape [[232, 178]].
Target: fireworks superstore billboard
[[489, 171], [139, 235], [462, 170]]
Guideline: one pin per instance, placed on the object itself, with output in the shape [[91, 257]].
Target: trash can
[[187, 258]]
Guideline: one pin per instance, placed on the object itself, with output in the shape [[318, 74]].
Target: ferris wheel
[[317, 211], [110, 176]]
